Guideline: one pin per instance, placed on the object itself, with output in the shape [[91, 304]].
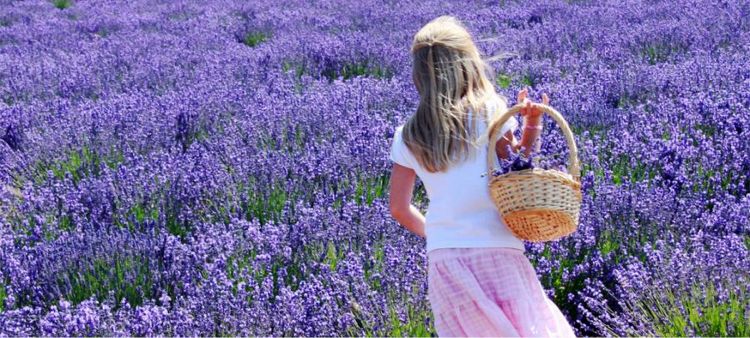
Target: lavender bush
[[221, 168]]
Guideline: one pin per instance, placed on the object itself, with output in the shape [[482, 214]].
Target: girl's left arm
[[402, 188], [532, 122]]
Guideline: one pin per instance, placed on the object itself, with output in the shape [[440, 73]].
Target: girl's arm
[[531, 118], [527, 141], [402, 187]]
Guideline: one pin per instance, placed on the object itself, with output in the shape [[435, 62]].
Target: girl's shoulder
[[400, 153], [399, 130], [398, 134], [494, 108]]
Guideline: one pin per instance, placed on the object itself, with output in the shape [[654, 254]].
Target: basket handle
[[573, 165]]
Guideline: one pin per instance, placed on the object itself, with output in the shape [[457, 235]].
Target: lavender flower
[[221, 168]]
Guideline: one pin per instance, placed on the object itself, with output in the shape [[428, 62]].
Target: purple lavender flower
[[221, 168]]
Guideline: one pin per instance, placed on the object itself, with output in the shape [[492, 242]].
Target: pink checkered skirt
[[490, 292]]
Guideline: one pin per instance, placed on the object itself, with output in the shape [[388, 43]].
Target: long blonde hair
[[451, 78]]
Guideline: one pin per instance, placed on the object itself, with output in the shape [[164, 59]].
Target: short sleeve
[[399, 152], [496, 109], [510, 125]]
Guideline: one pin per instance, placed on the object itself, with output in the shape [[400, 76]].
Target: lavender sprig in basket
[[517, 161]]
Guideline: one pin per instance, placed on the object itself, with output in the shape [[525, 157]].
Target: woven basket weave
[[538, 205]]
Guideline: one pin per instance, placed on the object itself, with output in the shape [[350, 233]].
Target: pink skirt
[[490, 292]]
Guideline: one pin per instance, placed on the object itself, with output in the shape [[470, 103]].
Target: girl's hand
[[532, 116]]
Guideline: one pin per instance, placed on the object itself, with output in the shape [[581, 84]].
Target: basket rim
[[574, 166]]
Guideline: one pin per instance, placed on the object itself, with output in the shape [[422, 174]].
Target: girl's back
[[461, 212]]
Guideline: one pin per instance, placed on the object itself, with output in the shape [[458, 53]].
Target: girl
[[480, 282]]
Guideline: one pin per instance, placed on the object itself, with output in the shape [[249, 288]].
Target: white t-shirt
[[461, 213]]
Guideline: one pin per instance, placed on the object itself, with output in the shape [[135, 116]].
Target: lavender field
[[221, 168]]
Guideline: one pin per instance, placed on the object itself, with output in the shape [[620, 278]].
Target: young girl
[[480, 283]]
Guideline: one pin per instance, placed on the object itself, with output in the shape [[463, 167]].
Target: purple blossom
[[221, 168]]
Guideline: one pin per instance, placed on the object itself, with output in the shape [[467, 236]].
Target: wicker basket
[[538, 205]]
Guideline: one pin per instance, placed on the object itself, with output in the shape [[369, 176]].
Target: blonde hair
[[451, 78]]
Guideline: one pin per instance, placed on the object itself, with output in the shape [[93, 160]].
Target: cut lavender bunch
[[517, 161]]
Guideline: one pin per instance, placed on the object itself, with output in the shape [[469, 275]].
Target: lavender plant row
[[221, 168]]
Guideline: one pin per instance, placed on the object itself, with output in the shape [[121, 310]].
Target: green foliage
[[79, 163], [503, 81], [128, 277], [666, 135], [197, 133], [710, 181], [140, 212], [414, 325], [658, 52], [253, 39], [3, 295], [332, 256], [239, 269], [368, 189], [264, 202], [554, 279], [50, 226], [237, 263], [592, 129], [697, 311], [607, 243], [378, 255], [159, 207], [529, 80], [66, 223], [707, 129], [623, 169], [298, 67], [355, 69], [293, 139], [134, 216], [62, 4], [346, 71], [103, 32], [174, 224]]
